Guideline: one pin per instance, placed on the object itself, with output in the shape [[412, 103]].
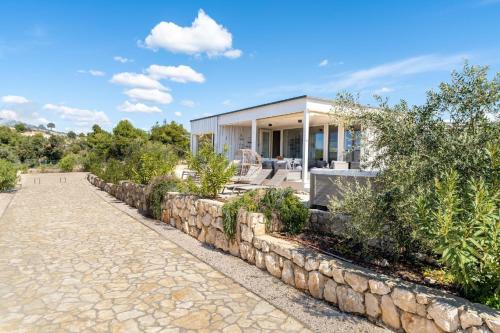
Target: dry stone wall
[[396, 304]]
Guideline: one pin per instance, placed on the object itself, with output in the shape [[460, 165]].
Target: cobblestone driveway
[[70, 262]]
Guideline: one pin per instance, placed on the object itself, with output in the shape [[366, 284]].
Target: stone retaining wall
[[396, 304]]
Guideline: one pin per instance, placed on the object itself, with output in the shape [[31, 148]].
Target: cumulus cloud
[[227, 102], [8, 114], [182, 73], [123, 60], [93, 72], [188, 103], [151, 95], [204, 35], [138, 107], [178, 114], [79, 117], [136, 80], [323, 63], [13, 99]]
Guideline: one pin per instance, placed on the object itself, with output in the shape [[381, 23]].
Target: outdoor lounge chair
[[257, 179], [276, 181]]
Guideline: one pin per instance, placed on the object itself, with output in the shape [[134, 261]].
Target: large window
[[352, 143], [292, 143], [316, 137], [333, 141]]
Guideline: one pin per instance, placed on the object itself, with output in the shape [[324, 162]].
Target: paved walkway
[[70, 262]]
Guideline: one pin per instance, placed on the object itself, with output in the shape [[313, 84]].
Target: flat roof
[[265, 104]]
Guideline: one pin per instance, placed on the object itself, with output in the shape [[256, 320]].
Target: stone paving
[[70, 262]]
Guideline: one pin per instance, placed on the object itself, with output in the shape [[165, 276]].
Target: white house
[[298, 128]]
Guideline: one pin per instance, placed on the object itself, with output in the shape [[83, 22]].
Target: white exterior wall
[[235, 137], [265, 111], [203, 126]]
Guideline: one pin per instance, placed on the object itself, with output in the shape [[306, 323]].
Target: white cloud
[[93, 72], [188, 103], [178, 114], [203, 36], [233, 54], [227, 102], [182, 73], [79, 117], [136, 80], [123, 60], [8, 114], [37, 119], [137, 107], [152, 95], [383, 90], [377, 75], [323, 63], [13, 99]]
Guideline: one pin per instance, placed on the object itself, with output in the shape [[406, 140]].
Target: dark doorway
[[276, 143]]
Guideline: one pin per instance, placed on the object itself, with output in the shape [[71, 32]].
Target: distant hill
[[30, 127]]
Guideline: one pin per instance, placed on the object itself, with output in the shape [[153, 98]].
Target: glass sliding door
[[333, 141], [352, 145], [266, 144], [316, 139], [292, 143]]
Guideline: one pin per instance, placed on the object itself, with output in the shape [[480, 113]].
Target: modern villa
[[299, 129]]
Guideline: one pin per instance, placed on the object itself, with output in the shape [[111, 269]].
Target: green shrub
[[213, 170], [92, 163], [68, 162], [8, 175], [464, 230], [281, 203], [248, 201], [413, 145], [113, 171], [158, 188], [151, 161], [292, 213]]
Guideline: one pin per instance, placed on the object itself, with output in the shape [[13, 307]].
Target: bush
[[151, 161], [281, 203], [8, 175], [292, 213], [464, 230], [248, 201], [68, 162], [158, 188], [213, 169], [411, 147], [113, 171]]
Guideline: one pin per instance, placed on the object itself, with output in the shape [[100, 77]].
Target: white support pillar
[[325, 142], [281, 143], [340, 146], [305, 148], [254, 135], [194, 144]]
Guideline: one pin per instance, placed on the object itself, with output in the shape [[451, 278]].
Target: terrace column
[[305, 149], [340, 146], [194, 143], [254, 135], [326, 139]]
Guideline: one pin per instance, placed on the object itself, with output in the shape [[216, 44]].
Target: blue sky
[[78, 63]]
